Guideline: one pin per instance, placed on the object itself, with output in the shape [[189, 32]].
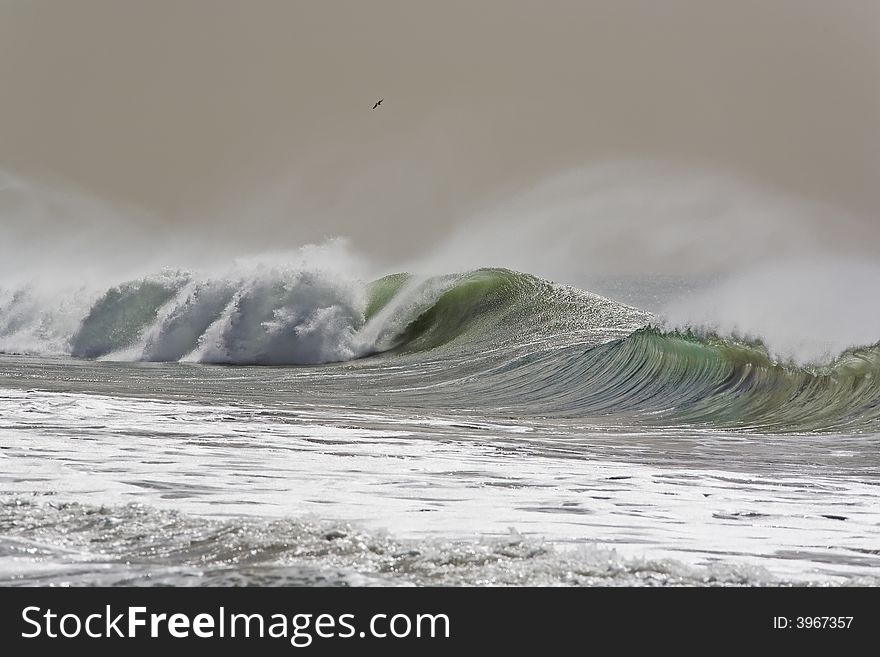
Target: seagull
[[378, 102]]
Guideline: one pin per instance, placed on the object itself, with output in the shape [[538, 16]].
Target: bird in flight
[[378, 102]]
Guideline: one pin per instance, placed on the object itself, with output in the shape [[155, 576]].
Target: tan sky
[[252, 120]]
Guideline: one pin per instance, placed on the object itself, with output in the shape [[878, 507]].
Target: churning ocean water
[[291, 426]]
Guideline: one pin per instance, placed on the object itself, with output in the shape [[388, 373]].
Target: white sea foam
[[219, 493]]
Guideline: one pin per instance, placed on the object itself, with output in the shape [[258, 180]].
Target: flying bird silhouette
[[378, 102]]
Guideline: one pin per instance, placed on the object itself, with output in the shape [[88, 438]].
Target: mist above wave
[[804, 310]]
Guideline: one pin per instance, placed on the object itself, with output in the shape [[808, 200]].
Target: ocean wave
[[296, 316], [508, 338], [692, 378]]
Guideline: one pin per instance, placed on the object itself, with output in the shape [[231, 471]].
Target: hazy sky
[[249, 122]]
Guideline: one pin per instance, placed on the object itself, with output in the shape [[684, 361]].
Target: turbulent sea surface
[[290, 426]]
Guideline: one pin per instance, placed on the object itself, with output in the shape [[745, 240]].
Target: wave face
[[685, 378], [486, 338]]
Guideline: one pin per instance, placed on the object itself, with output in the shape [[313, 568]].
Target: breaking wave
[[506, 338], [288, 317]]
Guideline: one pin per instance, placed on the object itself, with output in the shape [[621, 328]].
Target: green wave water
[[550, 363]]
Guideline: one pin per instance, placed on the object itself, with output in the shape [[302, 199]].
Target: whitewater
[[291, 424]]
